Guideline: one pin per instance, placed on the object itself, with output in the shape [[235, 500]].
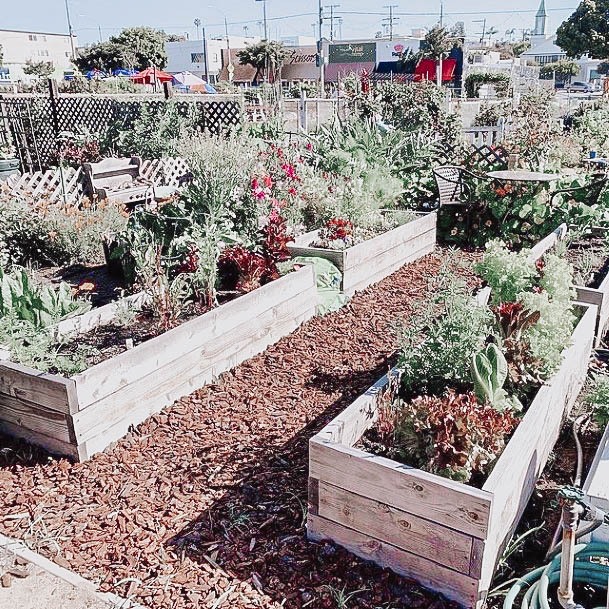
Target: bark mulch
[[204, 505]]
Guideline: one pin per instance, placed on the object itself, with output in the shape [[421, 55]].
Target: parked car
[[580, 87]]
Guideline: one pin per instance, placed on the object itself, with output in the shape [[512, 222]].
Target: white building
[[18, 47], [189, 55], [544, 49]]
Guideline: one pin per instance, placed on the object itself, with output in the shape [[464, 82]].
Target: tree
[[262, 55], [136, 47], [438, 42], [563, 70], [41, 69], [586, 31], [1, 55]]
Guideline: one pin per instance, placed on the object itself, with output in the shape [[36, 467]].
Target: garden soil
[[204, 504]]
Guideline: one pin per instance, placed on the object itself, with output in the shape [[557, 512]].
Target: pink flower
[[292, 191], [268, 182], [255, 183], [309, 146]]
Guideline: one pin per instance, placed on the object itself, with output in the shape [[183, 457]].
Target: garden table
[[520, 175]]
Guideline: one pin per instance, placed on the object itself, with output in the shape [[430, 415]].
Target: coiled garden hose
[[586, 571]]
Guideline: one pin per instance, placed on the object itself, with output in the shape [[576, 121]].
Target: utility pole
[[205, 57], [340, 28], [101, 38], [266, 31], [320, 52], [332, 7], [70, 30], [441, 14], [391, 19], [483, 22]]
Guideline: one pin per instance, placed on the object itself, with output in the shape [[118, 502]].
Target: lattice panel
[[53, 185], [165, 172], [35, 121], [488, 157], [221, 115]]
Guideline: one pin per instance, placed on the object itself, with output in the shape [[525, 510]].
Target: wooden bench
[[119, 179]]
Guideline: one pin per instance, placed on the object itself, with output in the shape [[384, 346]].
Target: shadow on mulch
[[256, 531]]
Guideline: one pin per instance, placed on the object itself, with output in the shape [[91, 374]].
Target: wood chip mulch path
[[204, 504]]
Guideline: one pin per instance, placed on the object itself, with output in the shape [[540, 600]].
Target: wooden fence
[[65, 184], [35, 121]]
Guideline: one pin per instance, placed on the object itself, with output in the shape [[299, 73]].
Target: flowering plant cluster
[[338, 229], [76, 150]]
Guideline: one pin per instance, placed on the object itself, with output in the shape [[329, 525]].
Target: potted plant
[[9, 163]]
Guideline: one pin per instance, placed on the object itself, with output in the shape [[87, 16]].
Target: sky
[[360, 18]]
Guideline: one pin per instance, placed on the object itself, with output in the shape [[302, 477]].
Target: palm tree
[[266, 56]]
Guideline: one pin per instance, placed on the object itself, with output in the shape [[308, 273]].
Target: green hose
[[538, 581]]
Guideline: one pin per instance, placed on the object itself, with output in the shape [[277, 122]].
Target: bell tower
[[541, 20]]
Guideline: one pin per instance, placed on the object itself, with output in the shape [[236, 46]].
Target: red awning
[[151, 75], [426, 69]]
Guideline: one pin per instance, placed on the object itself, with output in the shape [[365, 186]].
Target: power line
[[391, 19]]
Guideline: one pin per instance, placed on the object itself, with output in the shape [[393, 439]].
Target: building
[[544, 49], [18, 47], [189, 55]]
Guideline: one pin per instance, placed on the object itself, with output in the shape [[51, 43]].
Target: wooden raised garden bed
[[374, 259], [445, 534], [81, 415]]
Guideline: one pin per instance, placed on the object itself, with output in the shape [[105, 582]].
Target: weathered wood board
[[372, 260], [445, 534], [82, 415]]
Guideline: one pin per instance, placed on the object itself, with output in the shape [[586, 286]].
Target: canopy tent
[[191, 82], [123, 72], [95, 74], [151, 75]]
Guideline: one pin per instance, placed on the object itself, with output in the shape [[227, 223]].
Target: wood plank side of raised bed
[[456, 586], [108, 377], [449, 503], [364, 252], [204, 363], [513, 478], [401, 529], [300, 248], [98, 316], [51, 444], [108, 419], [381, 266], [48, 390]]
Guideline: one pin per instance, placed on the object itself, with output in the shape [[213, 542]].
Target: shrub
[[44, 233], [436, 349], [499, 80]]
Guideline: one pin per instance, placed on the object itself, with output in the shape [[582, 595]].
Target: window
[[44, 38], [33, 37], [197, 57]]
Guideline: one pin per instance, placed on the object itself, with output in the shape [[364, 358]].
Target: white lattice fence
[[53, 184], [165, 172], [65, 185]]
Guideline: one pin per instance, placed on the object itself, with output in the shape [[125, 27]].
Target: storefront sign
[[355, 52], [392, 50]]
